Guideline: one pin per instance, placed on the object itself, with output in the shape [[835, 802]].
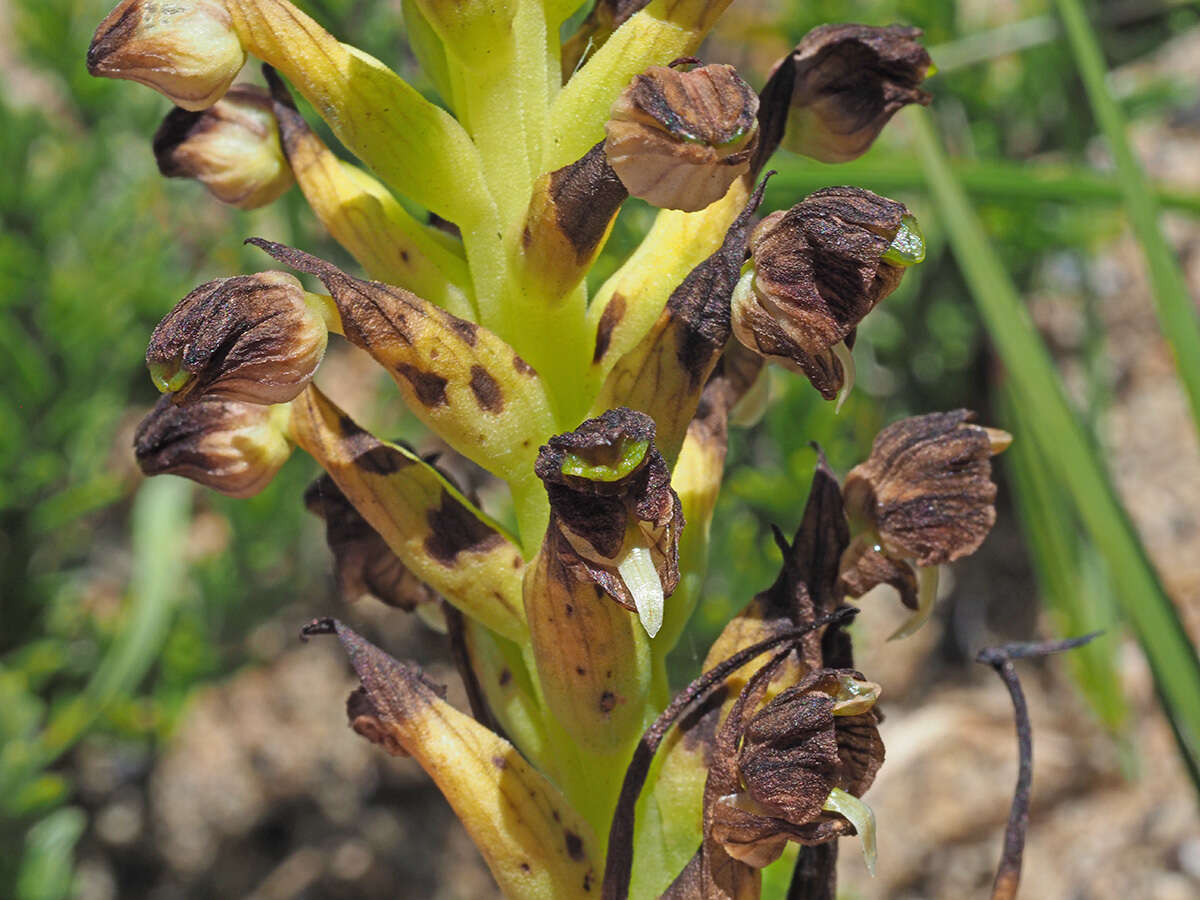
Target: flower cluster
[[604, 409]]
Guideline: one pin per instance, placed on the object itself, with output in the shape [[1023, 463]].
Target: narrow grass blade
[[1077, 604], [1068, 450], [160, 517], [1176, 310]]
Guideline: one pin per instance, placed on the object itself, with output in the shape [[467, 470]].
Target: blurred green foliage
[[95, 247]]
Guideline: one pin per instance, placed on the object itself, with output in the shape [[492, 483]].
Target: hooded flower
[[816, 270], [812, 741], [254, 338], [924, 497], [847, 83], [678, 139], [232, 148], [232, 447], [612, 504]]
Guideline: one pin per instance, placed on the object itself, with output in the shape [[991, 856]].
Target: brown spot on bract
[[525, 867], [430, 388], [609, 319], [487, 391], [505, 677], [404, 255], [381, 460], [574, 845], [454, 529], [580, 670], [569, 609], [587, 881], [586, 195], [468, 331], [608, 702], [523, 367], [499, 762]]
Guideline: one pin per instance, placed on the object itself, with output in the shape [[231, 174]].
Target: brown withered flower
[[363, 562], [801, 764], [187, 51], [612, 503], [678, 139], [846, 83], [232, 148], [255, 338], [816, 270], [235, 448], [923, 497]]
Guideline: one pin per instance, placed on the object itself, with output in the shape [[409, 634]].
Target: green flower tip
[[618, 461], [168, 377], [908, 247]]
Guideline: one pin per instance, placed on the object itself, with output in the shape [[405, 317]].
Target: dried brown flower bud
[[847, 83], [926, 488], [187, 51], [817, 270], [232, 148], [611, 500], [254, 338], [235, 448], [924, 497], [362, 559], [679, 139], [812, 741]]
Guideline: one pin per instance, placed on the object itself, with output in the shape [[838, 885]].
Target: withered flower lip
[[251, 337], [678, 139], [818, 269]]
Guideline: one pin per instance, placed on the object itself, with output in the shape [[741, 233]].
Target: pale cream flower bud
[[185, 49], [232, 148]]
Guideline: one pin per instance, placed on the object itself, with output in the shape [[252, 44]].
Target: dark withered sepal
[[363, 562], [608, 485], [839, 88], [235, 448], [252, 338], [819, 268]]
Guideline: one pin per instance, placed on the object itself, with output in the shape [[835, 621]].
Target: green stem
[[1069, 450], [1176, 311]]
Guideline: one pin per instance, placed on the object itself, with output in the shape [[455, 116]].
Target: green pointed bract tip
[[908, 247], [932, 70], [626, 457], [860, 816], [168, 377]]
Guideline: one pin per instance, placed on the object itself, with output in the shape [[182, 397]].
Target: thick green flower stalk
[[606, 415]]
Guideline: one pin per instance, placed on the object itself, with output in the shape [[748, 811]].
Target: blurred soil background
[[164, 735]]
